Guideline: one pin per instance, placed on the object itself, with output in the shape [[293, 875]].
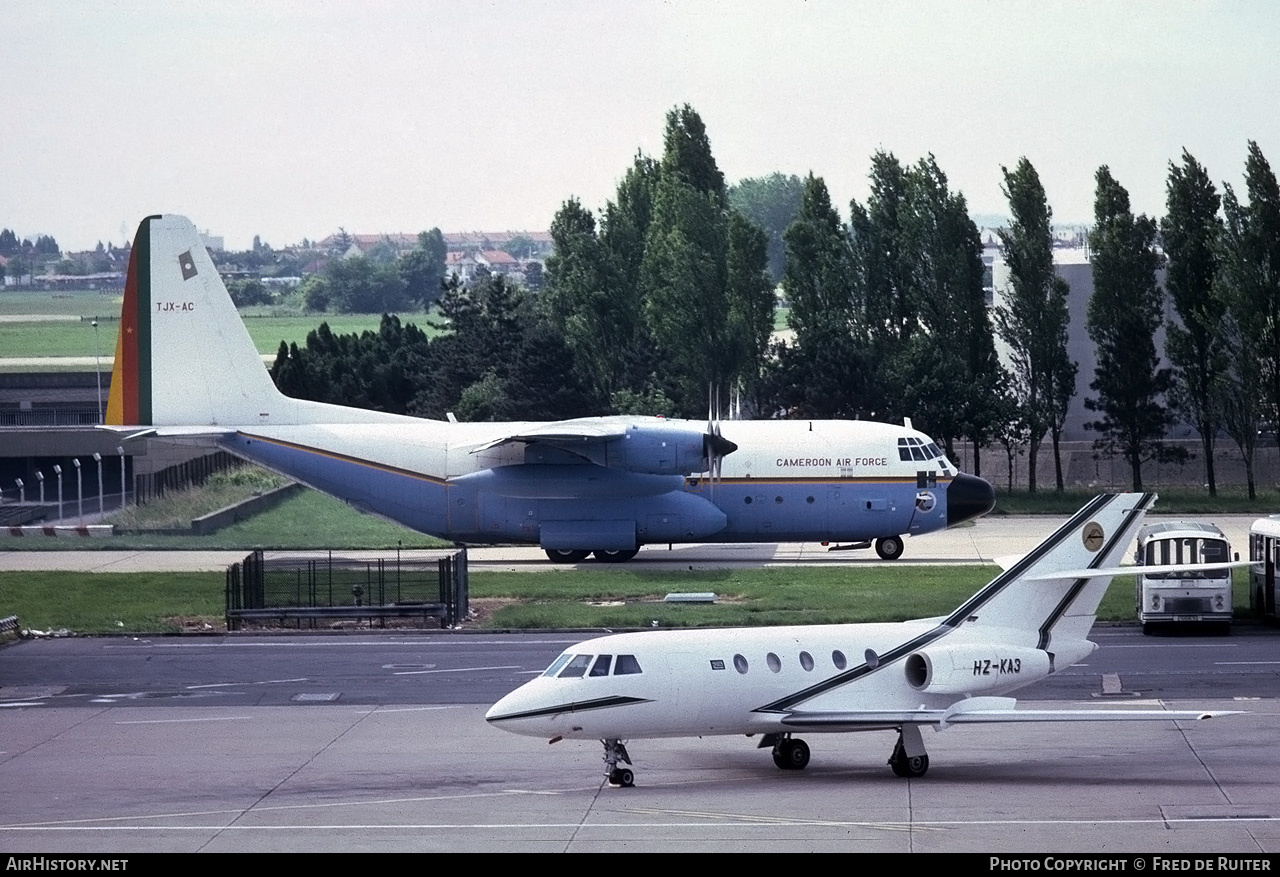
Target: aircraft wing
[[982, 710]]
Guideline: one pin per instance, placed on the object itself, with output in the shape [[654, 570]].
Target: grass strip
[[94, 603]]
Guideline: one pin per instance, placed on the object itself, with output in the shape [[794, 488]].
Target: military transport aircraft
[[186, 368], [1030, 621]]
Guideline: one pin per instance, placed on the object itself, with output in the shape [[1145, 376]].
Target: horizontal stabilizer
[[1135, 569]]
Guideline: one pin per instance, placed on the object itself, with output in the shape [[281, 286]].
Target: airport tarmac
[[314, 743], [982, 541], [436, 778]]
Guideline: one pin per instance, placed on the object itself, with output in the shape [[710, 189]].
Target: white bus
[[1197, 596], [1264, 551]]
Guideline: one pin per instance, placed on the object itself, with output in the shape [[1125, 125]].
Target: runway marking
[[341, 644], [1243, 663], [456, 670], [75, 824], [416, 709], [187, 721], [238, 684], [932, 825], [756, 818], [22, 703]]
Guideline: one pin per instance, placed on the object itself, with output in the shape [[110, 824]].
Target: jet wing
[[981, 710]]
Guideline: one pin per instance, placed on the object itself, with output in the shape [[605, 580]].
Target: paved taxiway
[[317, 743], [379, 743], [983, 541]]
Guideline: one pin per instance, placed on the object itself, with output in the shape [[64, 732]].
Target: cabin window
[[576, 667], [627, 665], [837, 658], [601, 666], [740, 663], [806, 660], [778, 500], [774, 662], [717, 664]]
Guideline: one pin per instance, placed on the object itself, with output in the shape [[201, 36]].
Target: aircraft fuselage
[[786, 481]]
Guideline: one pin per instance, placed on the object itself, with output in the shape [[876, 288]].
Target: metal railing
[[310, 589]]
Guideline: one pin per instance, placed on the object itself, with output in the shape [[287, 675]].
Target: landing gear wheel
[[615, 751], [911, 767], [889, 547], [791, 754], [561, 555], [615, 556]]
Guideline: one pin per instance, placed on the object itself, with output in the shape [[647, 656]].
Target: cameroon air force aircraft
[[1030, 621], [186, 368]]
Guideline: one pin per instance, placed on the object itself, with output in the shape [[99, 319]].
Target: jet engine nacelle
[[979, 667], [658, 450]]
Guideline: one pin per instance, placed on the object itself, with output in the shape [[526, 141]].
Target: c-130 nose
[[968, 497]]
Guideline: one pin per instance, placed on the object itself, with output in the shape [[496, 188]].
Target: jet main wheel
[[622, 777], [889, 547], [560, 555], [907, 766], [791, 754], [615, 556]]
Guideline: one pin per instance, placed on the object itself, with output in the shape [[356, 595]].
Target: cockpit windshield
[[571, 666], [912, 447]]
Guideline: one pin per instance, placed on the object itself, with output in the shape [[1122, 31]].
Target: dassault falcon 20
[[1028, 622], [186, 367]]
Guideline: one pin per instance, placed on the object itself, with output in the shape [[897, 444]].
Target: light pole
[[97, 459], [22, 492], [120, 451], [57, 470], [79, 491], [97, 369], [40, 478]]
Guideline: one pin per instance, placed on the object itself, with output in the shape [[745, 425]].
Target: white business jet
[[1030, 621]]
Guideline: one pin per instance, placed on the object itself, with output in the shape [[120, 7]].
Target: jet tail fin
[[1054, 590], [183, 356]]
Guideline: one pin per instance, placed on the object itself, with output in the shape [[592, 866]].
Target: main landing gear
[[909, 758], [614, 752], [790, 753], [889, 547], [564, 555]]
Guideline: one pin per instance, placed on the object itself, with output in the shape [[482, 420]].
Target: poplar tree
[[1195, 347], [1124, 314], [1033, 319], [1249, 283]]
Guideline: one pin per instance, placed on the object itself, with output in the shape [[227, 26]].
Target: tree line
[[670, 289]]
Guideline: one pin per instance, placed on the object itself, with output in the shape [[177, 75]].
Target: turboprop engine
[[975, 668], [662, 450]]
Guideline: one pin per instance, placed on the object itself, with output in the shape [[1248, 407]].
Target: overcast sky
[[289, 120]]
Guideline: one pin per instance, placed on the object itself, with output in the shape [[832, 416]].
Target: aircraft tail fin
[[183, 356], [1053, 592]]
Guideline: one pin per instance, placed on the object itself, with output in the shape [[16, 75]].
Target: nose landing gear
[[615, 751]]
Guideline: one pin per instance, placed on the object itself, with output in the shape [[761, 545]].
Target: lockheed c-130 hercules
[[186, 368]]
